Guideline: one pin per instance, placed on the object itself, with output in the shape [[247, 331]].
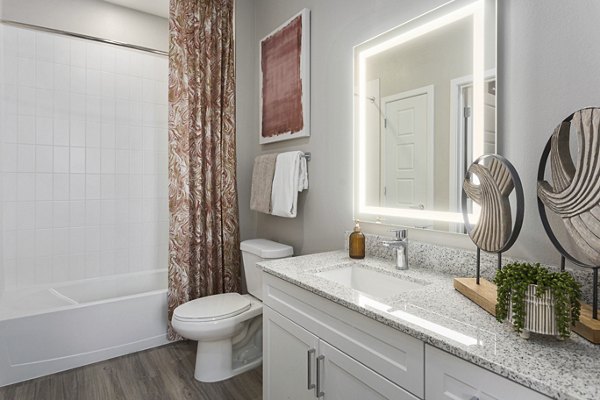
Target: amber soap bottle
[[357, 243]]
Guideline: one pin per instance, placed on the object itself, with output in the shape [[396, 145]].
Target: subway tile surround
[[83, 159]]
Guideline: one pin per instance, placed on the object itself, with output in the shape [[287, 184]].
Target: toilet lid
[[212, 308], [266, 248]]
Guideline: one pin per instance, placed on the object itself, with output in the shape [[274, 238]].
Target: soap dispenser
[[357, 243]]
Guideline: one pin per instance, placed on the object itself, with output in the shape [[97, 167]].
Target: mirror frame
[[423, 24]]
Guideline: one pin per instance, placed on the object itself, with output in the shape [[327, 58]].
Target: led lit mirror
[[425, 108]]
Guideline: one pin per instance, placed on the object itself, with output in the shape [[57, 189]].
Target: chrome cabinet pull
[[310, 352], [320, 393]]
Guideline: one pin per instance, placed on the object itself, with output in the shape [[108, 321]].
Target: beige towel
[[262, 183]]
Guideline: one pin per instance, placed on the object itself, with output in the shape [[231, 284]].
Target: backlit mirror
[[425, 108]]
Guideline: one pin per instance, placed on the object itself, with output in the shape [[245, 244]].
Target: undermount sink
[[369, 281]]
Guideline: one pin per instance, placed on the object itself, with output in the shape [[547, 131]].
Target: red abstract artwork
[[284, 81]]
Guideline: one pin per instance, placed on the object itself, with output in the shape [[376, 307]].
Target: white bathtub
[[45, 330]]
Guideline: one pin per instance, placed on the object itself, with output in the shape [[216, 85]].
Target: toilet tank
[[257, 250]]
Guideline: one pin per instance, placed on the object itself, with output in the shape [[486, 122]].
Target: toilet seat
[[212, 308]]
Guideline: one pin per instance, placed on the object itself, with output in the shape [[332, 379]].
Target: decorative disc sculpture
[[495, 231], [489, 182], [495, 227], [574, 196]]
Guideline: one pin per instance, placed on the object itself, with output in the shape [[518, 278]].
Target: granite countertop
[[560, 369]]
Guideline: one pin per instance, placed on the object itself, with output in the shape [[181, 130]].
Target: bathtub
[[44, 330]]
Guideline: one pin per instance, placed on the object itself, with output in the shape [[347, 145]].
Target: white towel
[[291, 177]]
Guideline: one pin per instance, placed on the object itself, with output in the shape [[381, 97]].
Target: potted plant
[[537, 300]]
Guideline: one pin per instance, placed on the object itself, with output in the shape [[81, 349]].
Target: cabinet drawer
[[449, 378], [390, 353]]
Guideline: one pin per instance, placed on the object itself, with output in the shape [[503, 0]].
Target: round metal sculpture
[[574, 194], [495, 231], [489, 182]]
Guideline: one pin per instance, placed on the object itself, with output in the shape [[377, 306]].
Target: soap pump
[[356, 243]]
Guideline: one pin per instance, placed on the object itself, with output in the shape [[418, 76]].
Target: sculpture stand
[[588, 325], [483, 293], [479, 290]]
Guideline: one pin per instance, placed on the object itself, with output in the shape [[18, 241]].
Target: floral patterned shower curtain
[[204, 257]]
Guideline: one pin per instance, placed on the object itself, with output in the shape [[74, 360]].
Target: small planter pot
[[540, 315]]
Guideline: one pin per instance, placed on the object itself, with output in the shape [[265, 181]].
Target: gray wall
[[91, 17], [548, 67]]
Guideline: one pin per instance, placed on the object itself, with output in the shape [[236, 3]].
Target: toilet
[[228, 327]]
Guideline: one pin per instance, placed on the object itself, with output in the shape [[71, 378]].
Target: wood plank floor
[[162, 373]]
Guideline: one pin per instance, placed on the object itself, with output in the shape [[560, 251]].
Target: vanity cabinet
[[353, 354], [311, 344], [300, 366]]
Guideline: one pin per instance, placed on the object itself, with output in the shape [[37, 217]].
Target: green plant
[[512, 282]]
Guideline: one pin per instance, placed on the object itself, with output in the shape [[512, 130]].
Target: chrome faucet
[[401, 247]]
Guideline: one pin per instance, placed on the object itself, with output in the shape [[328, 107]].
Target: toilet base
[[214, 362], [217, 360]]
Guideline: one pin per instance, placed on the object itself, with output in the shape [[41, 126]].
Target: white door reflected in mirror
[[406, 137]]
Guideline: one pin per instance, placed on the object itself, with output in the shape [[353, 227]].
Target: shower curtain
[[204, 257]]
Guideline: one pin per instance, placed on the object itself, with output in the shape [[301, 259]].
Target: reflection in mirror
[[425, 103]]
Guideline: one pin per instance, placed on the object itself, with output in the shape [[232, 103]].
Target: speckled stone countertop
[[568, 369]]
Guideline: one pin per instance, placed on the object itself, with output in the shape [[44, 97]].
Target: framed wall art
[[285, 81]]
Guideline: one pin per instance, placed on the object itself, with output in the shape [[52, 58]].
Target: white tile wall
[[83, 159]]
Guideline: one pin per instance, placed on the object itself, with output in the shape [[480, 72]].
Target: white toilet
[[228, 327]]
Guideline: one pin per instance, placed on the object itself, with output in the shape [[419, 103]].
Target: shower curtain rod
[[82, 36]]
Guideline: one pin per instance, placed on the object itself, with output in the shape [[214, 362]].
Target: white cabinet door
[[289, 353], [390, 353], [343, 378], [450, 378]]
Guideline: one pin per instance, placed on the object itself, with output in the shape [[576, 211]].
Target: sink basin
[[369, 281]]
